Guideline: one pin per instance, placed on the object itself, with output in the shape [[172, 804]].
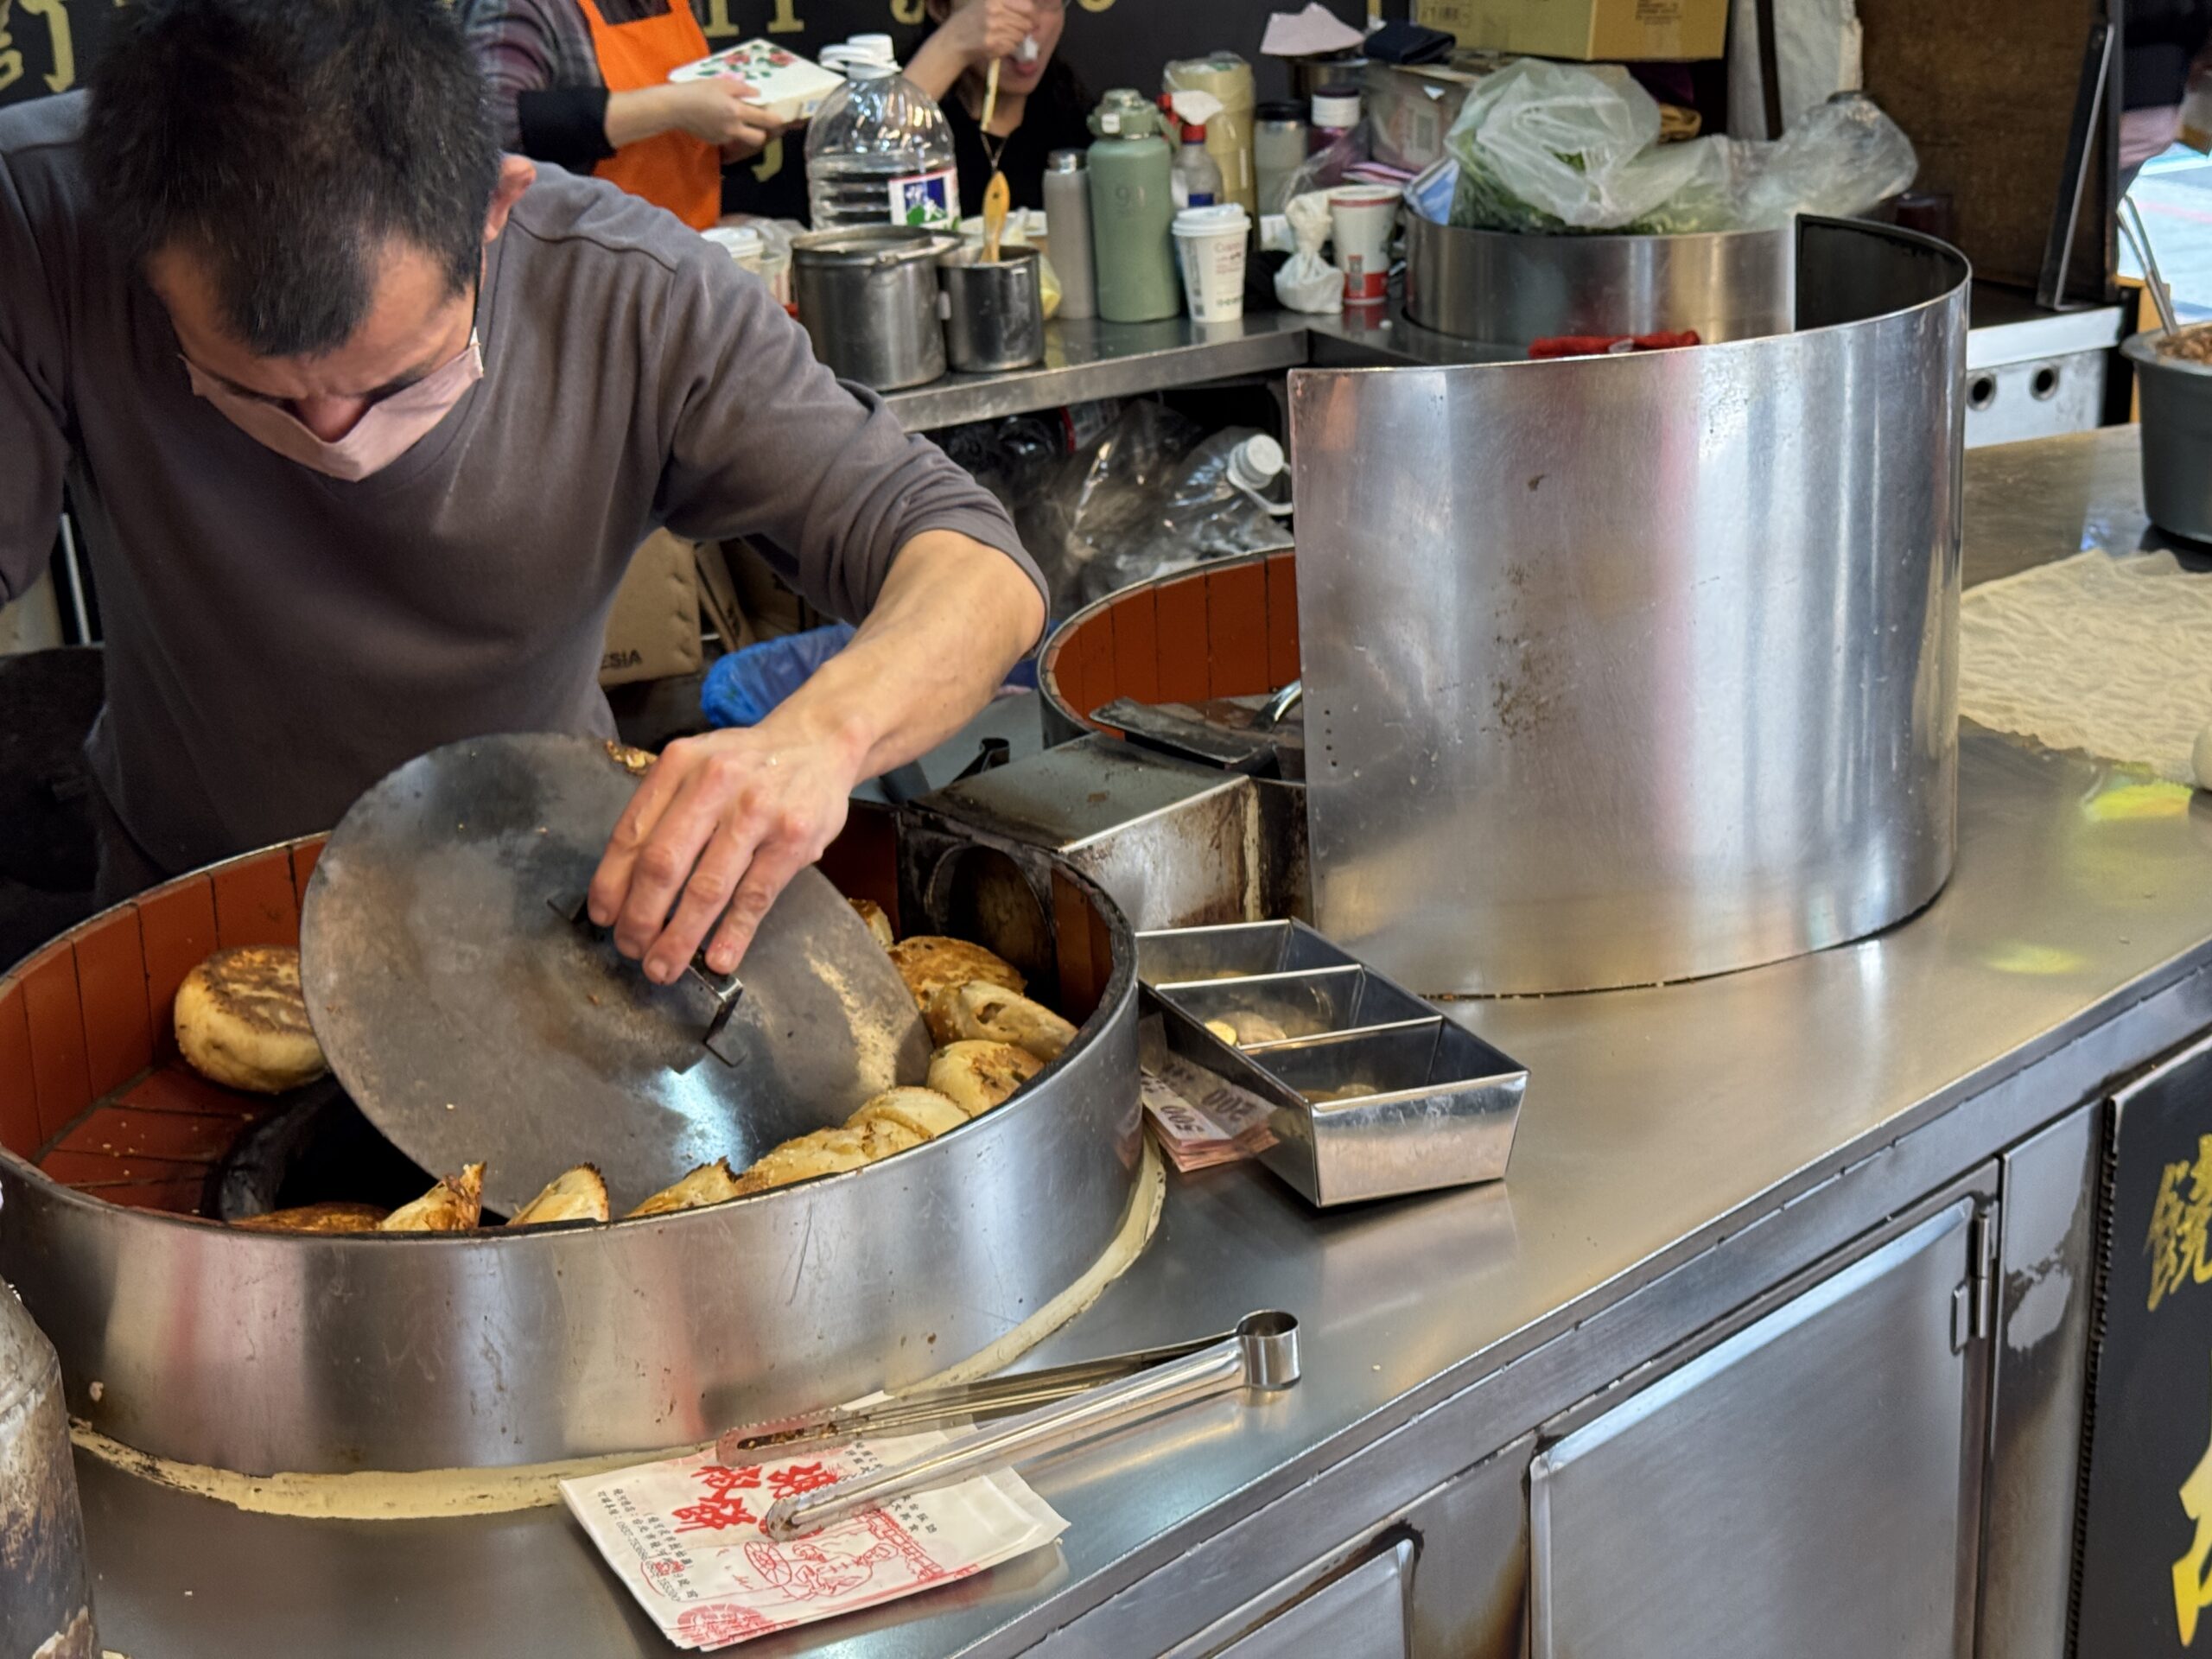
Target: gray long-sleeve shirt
[[277, 640]]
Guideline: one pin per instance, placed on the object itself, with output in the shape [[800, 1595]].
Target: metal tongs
[[1086, 1399], [2133, 227]]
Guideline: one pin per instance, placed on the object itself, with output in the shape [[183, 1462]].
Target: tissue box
[[1590, 31], [783, 83]]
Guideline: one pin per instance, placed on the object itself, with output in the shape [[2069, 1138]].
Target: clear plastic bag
[[1552, 146]]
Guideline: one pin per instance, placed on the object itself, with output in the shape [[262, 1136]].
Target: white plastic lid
[[1216, 219], [877, 47], [741, 241], [1256, 463], [1213, 220], [1336, 110]]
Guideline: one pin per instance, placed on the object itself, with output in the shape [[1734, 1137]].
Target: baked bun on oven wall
[[242, 1020]]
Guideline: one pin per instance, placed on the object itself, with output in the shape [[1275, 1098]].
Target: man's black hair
[[284, 142]]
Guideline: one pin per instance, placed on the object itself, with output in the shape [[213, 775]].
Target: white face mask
[[388, 429]]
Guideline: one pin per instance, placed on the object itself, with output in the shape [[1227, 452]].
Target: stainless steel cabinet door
[[1800, 1488], [1360, 1614]]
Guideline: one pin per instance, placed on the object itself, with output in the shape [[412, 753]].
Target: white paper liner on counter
[[2112, 655], [684, 1535]]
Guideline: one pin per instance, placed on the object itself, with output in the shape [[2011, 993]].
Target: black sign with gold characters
[[2146, 1556]]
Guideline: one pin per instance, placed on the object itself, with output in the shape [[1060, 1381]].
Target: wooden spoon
[[998, 194], [998, 199]]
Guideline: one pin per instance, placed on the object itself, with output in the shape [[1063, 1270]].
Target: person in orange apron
[[584, 84]]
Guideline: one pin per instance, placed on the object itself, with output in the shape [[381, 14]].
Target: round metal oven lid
[[474, 1020]]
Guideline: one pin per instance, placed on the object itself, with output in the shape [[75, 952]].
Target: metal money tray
[[1444, 1104]]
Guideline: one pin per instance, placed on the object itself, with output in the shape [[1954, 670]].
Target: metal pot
[[46, 1607], [868, 300], [995, 315], [1508, 290], [2177, 397]]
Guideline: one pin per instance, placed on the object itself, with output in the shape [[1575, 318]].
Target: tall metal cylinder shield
[[1628, 669]]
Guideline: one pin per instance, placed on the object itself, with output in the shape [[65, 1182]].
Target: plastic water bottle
[[879, 151]]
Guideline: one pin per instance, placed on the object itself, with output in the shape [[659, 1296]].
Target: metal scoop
[[1261, 1354], [473, 1019]]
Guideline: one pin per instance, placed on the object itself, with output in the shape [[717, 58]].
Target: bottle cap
[[1064, 161], [1195, 133], [1256, 463]]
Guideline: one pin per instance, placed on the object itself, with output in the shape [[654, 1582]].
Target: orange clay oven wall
[[91, 1087], [1223, 630]]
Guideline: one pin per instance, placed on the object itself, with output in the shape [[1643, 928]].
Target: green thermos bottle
[[1132, 209]]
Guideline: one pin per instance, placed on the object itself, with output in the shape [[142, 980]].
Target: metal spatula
[[474, 1018]]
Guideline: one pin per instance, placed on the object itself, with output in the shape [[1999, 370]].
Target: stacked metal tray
[[1373, 1092]]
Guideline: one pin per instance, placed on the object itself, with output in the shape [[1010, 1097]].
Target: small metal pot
[[2177, 397], [868, 298], [995, 314]]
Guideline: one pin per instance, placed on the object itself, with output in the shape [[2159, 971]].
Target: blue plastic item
[[744, 688]]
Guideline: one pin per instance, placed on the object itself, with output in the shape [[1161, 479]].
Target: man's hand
[[737, 812], [725, 821], [718, 112]]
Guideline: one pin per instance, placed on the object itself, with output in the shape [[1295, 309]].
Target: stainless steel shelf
[[1088, 359]]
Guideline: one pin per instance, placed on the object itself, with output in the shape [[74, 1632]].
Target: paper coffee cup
[[1361, 217], [1210, 248]]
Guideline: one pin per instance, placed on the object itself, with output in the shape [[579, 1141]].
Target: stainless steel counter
[[1714, 1133]]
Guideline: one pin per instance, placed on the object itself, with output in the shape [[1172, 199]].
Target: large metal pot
[[2177, 436], [1629, 669], [1508, 290], [868, 298], [45, 1591]]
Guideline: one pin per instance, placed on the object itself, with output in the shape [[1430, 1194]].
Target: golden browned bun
[[976, 1076], [452, 1206], [709, 1184], [316, 1218], [242, 1020], [879, 924], [825, 1152], [925, 1111], [929, 963], [982, 1012], [575, 1194]]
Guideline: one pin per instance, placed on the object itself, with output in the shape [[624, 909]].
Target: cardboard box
[[652, 632], [784, 84], [1590, 31]]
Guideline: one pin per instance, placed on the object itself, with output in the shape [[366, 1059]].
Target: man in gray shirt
[[363, 421]]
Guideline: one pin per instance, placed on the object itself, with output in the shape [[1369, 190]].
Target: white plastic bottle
[[879, 151], [1196, 181]]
